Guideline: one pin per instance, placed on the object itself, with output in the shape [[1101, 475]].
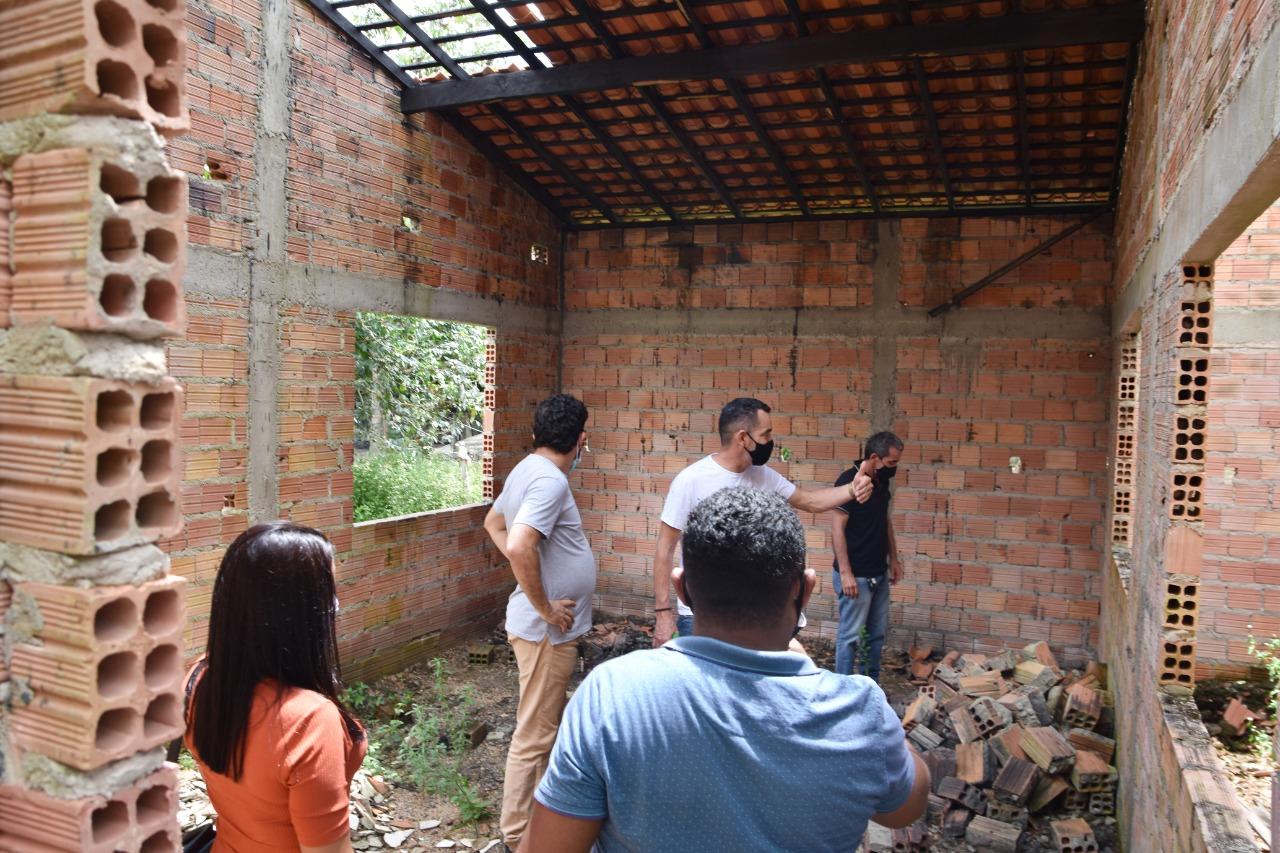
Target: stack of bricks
[[1011, 740], [92, 256], [1183, 548]]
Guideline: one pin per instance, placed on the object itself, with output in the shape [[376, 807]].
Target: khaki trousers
[[544, 676]]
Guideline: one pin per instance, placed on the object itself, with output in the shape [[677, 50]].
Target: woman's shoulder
[[297, 705]]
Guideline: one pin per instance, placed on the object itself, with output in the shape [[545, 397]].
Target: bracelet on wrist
[[661, 609]]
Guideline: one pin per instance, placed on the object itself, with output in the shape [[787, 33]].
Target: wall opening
[[423, 421]]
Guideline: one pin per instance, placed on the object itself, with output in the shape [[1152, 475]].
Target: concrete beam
[[271, 165], [1246, 327], [1233, 178], [224, 275], [847, 323]]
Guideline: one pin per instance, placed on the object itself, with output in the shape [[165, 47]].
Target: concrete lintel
[[223, 275], [1234, 177], [1069, 324], [1257, 327]]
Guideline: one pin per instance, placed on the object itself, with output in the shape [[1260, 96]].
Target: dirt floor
[[1247, 759], [389, 810]]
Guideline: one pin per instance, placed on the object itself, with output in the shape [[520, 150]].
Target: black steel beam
[[664, 117], [601, 136], [749, 111], [457, 122], [1117, 167], [836, 215], [996, 275], [1024, 136], [1009, 32], [931, 119]]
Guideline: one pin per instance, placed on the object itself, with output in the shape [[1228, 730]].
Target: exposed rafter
[[660, 111], [601, 135], [748, 110], [1009, 32], [898, 109]]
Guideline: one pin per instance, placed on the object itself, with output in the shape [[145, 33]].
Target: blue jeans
[[870, 610], [684, 625]]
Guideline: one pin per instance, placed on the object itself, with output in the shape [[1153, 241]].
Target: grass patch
[[402, 482], [419, 743]]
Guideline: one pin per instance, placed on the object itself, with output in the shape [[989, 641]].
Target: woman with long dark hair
[[265, 723]]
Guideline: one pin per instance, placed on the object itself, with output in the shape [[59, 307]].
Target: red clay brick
[[122, 57], [88, 464]]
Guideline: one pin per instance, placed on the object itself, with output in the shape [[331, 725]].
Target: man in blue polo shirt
[[714, 741]]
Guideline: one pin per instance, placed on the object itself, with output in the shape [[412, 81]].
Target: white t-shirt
[[703, 479]]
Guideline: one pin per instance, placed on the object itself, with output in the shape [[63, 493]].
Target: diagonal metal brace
[[993, 277]]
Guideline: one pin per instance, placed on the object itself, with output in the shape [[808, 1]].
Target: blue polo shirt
[[703, 745]]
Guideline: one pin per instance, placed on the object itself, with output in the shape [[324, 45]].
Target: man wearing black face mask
[[746, 443]]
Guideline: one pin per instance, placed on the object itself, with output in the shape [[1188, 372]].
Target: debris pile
[[610, 640], [373, 819], [1009, 740]]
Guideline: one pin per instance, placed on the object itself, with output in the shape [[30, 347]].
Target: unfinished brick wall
[[1192, 56], [380, 200], [1240, 578], [1162, 604], [992, 557], [90, 425]]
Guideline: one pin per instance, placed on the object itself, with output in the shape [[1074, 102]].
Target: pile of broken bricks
[[1010, 739]]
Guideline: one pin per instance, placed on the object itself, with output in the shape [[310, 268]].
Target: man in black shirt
[[866, 560]]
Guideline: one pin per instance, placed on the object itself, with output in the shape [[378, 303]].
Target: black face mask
[[761, 454]]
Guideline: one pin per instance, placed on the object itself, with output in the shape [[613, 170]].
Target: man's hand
[[560, 614], [895, 570], [848, 584], [664, 626], [864, 480]]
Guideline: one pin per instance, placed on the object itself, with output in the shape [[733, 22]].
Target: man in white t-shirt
[[746, 443]]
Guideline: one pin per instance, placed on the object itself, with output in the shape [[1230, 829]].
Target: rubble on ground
[[373, 819], [1020, 752]]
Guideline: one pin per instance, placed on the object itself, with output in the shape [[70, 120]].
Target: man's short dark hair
[[558, 422], [743, 552], [881, 442], [740, 414]]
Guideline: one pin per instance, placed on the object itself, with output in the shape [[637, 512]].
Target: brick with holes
[[99, 241], [115, 57], [138, 817], [1073, 835], [88, 465], [101, 673]]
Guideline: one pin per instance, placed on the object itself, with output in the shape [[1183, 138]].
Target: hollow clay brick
[[1195, 315], [99, 243], [88, 465], [111, 57], [1181, 597], [139, 819], [1186, 495], [6, 279], [101, 676], [1073, 835]]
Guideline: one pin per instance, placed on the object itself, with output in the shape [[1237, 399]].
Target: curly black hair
[[558, 422], [743, 551]]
